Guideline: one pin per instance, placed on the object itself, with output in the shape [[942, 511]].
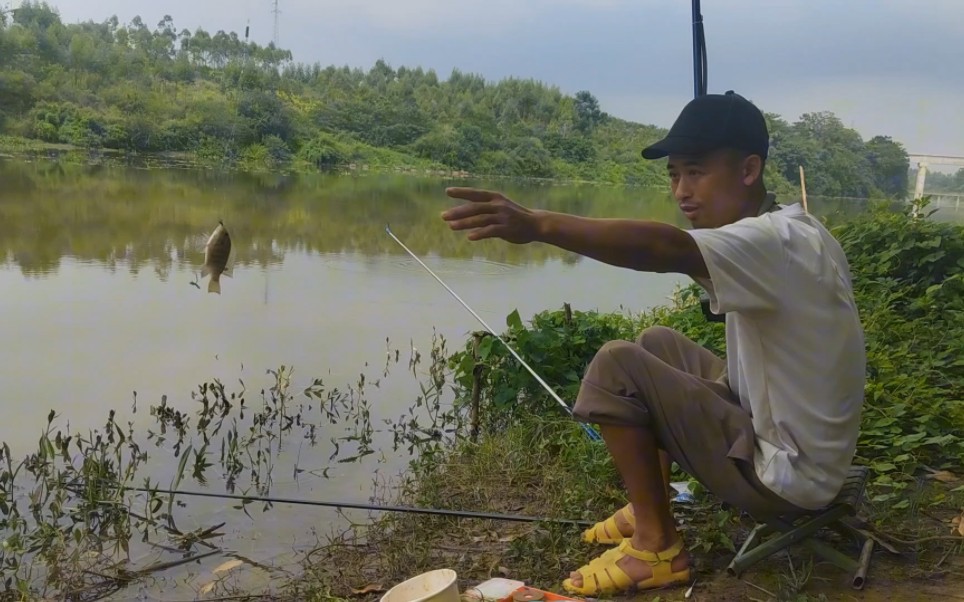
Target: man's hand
[[489, 214]]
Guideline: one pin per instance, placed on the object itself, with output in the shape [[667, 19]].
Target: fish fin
[[205, 270], [214, 286], [229, 265]]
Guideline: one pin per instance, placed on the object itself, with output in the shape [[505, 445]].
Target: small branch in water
[[175, 531], [108, 578], [126, 577], [160, 566], [163, 547]]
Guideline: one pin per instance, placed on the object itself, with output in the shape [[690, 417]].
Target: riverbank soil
[[498, 549], [919, 554]]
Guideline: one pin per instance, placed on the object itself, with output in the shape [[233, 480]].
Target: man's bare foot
[[639, 570], [621, 524]]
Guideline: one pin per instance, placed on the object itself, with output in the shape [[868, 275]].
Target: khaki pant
[[679, 389]]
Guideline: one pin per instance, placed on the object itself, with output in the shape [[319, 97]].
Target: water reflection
[[161, 218]]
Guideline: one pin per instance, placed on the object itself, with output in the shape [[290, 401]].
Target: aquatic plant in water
[[70, 510]]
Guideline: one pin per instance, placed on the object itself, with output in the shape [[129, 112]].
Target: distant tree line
[[221, 98]]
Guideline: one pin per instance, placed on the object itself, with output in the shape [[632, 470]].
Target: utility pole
[[277, 13]]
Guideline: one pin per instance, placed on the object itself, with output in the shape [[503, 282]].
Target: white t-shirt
[[795, 346]]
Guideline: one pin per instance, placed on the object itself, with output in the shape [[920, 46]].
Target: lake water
[[96, 294], [96, 272]]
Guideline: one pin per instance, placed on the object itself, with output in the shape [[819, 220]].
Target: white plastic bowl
[[440, 585]]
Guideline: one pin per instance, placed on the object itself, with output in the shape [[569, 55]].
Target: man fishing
[[773, 428]]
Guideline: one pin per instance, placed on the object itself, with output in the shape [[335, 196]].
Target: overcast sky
[[892, 67]]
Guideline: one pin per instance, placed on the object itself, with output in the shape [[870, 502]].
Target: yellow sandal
[[603, 531], [610, 579]]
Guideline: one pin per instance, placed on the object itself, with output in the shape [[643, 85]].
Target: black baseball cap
[[713, 121]]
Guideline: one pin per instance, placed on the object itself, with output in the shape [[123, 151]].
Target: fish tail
[[214, 286]]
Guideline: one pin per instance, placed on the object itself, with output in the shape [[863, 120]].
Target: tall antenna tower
[[277, 13]]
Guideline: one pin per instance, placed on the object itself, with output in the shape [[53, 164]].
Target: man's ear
[[752, 169]]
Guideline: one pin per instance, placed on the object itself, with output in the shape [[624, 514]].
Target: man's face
[[712, 189]]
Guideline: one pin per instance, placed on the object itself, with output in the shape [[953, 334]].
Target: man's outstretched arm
[[636, 244], [642, 245]]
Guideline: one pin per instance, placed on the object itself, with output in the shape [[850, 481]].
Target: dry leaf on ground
[[944, 476]]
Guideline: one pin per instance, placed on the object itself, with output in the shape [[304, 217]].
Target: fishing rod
[[593, 435], [359, 506], [700, 69]]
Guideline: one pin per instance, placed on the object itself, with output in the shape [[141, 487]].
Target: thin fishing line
[[589, 431]]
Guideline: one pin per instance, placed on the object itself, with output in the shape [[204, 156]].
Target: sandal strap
[[603, 530], [607, 531], [653, 558]]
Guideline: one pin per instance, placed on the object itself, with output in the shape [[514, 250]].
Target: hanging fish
[[218, 258]]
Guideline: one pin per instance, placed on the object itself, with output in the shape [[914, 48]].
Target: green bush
[[921, 257], [324, 151], [908, 284], [559, 346]]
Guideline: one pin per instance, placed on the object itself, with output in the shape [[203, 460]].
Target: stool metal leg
[[838, 559], [863, 565], [790, 536], [739, 562]]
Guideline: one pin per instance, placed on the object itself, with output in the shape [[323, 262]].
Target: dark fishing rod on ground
[[361, 506]]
